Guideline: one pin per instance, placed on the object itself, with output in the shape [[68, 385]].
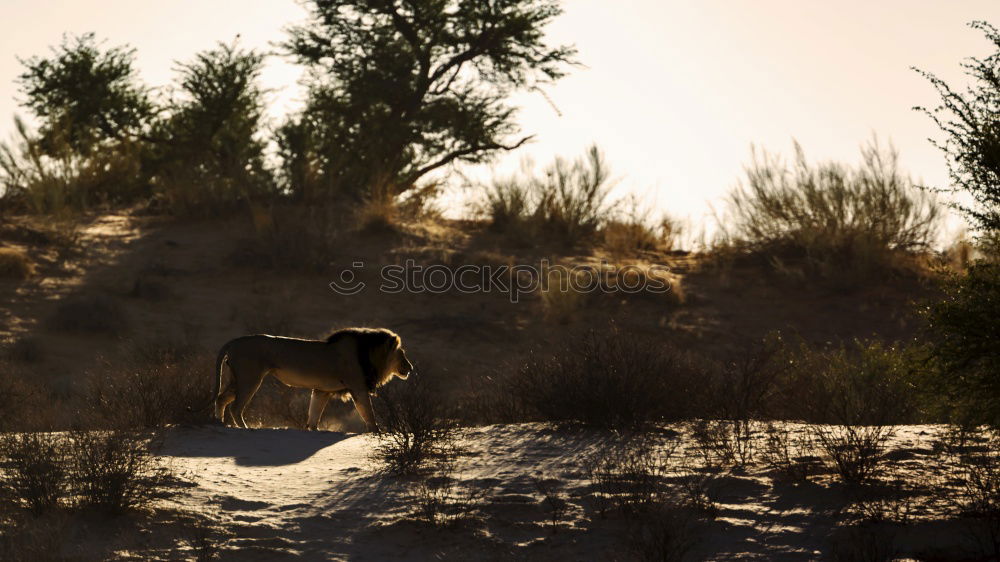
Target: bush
[[854, 395], [568, 203], [605, 379], [864, 382], [632, 231], [114, 471], [439, 500], [210, 154], [151, 386], [965, 343], [977, 499], [416, 424], [836, 221], [36, 469], [738, 398], [629, 476], [790, 458], [94, 314]]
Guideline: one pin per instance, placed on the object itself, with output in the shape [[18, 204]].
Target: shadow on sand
[[250, 447]]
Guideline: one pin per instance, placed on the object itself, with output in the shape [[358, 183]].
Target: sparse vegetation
[[740, 397], [664, 507], [96, 314], [567, 203], [417, 425], [854, 395], [829, 220], [440, 500], [964, 342], [148, 388], [553, 500], [605, 379], [15, 264], [790, 456], [111, 471], [36, 469], [978, 497], [633, 231]]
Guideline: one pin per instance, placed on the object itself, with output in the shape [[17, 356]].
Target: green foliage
[[830, 217], [85, 97], [93, 115], [102, 140], [972, 134], [568, 202], [863, 383], [209, 151], [613, 380], [400, 89], [965, 340], [298, 151]]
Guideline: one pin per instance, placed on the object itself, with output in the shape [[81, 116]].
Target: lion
[[352, 362]]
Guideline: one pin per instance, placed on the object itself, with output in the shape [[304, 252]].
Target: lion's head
[[394, 360]]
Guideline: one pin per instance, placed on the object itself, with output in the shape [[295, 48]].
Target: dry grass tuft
[[15, 264], [602, 379], [567, 204], [561, 295], [829, 220]]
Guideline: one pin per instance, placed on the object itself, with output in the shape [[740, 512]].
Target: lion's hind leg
[[247, 378], [225, 399]]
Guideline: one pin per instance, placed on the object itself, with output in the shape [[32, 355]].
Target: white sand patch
[[317, 496]]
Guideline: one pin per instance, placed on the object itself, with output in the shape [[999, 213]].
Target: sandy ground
[[318, 496]]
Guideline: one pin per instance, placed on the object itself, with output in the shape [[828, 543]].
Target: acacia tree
[[400, 88], [92, 114], [209, 150], [84, 96], [962, 326], [971, 123]]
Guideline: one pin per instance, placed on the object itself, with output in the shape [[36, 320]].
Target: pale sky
[[674, 91]]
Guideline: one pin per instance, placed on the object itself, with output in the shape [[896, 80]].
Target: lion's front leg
[[363, 403], [317, 403]]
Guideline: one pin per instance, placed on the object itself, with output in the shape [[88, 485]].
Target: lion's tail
[[220, 360]]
